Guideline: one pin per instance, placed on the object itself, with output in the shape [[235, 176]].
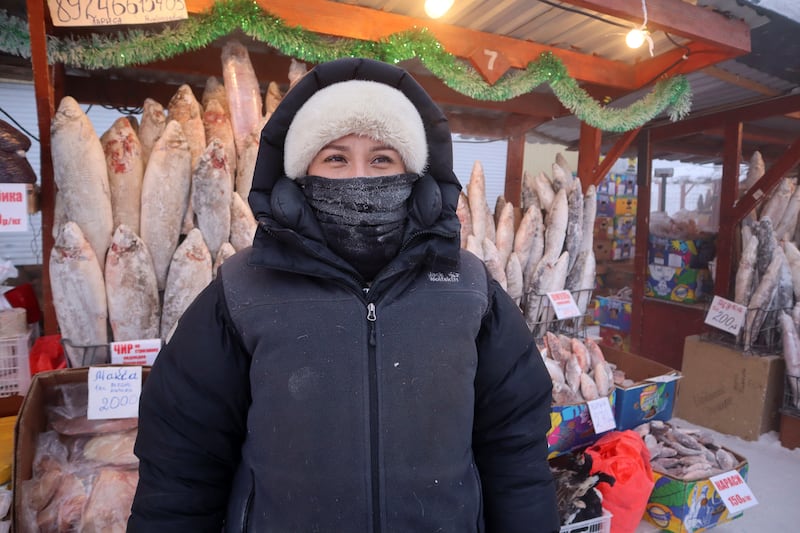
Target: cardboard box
[[622, 249], [571, 428], [602, 250], [728, 391], [625, 206], [651, 397], [614, 313], [627, 188], [688, 506], [606, 205], [615, 338], [608, 186], [685, 285], [624, 227], [32, 421], [679, 253], [604, 228], [790, 429]]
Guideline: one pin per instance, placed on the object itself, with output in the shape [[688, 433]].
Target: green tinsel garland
[[135, 47]]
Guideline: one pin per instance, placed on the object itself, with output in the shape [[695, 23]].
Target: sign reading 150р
[[110, 12]]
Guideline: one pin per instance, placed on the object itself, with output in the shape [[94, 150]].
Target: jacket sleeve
[[192, 420], [512, 417]]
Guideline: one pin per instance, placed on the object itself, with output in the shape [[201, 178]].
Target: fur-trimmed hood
[[280, 207]]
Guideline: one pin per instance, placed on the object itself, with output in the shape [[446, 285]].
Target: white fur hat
[[367, 108]]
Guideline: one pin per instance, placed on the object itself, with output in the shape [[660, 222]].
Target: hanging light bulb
[[437, 8], [635, 38]]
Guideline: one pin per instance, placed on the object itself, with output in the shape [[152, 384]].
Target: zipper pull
[[371, 317]]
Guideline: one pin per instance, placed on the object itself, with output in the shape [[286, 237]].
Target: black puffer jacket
[[291, 399]]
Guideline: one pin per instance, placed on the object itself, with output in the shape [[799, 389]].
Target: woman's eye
[[382, 160], [335, 158]]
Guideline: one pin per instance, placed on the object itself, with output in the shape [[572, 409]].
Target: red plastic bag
[[623, 455], [47, 353]]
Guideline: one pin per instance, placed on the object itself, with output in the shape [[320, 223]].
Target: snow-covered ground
[[774, 478]]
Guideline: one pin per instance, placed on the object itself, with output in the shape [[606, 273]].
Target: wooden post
[[643, 172], [731, 157], [588, 152], [515, 159], [45, 109]]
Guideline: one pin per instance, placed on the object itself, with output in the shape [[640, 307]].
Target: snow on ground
[[774, 477]]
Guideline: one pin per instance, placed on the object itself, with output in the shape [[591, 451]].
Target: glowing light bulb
[[437, 8], [635, 38]]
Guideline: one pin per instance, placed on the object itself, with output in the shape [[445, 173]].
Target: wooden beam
[[714, 119], [515, 160], [744, 83], [679, 61], [644, 169], [356, 22], [678, 18], [45, 109], [615, 153], [728, 224], [588, 151]]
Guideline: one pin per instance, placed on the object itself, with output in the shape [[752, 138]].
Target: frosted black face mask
[[363, 219]]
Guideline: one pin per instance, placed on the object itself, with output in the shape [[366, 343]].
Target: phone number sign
[[113, 12]]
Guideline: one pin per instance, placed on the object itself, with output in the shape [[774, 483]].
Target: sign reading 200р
[[104, 12]]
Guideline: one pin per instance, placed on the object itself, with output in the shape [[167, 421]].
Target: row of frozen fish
[[157, 205], [549, 248]]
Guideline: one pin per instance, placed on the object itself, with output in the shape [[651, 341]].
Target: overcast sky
[[787, 8]]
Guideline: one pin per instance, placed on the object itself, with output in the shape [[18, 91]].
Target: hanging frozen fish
[[529, 238], [79, 170], [215, 90], [556, 283], [560, 178], [574, 233], [217, 125], [745, 274], [134, 308], [766, 245], [556, 224], [755, 170], [776, 204], [464, 217], [535, 289], [494, 264], [528, 192], [243, 224], [475, 246], [211, 196], [125, 168], [476, 193], [499, 204], [184, 108], [272, 98], [244, 94], [154, 120], [165, 196], [785, 228], [297, 70], [225, 251], [59, 214], [589, 215], [189, 273], [246, 164], [514, 278], [757, 308], [793, 259], [791, 355], [544, 191], [79, 294], [504, 238]]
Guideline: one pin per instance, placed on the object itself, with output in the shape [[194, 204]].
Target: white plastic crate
[[15, 369], [601, 524]]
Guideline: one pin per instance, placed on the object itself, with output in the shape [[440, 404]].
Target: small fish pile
[[578, 369], [578, 499], [684, 453], [551, 248], [156, 206]]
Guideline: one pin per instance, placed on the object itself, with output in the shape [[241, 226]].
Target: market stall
[[491, 83]]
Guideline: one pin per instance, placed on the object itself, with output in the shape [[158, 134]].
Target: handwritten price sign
[[111, 12], [726, 315], [734, 492], [114, 392], [563, 304]]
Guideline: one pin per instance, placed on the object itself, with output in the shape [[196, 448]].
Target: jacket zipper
[[374, 430]]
